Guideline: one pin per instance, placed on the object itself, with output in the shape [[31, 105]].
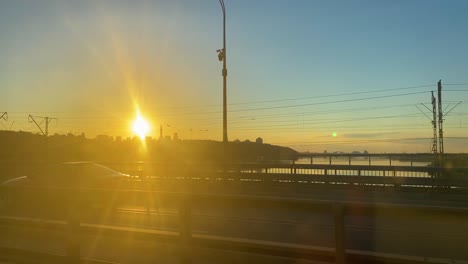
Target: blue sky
[[90, 63]]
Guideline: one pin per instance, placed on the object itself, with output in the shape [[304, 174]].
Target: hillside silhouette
[[24, 148]]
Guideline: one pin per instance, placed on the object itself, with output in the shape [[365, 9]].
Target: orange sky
[[294, 78]]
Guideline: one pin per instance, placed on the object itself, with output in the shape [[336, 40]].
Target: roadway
[[126, 250], [432, 236]]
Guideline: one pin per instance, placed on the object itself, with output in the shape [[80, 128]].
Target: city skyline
[[311, 75]]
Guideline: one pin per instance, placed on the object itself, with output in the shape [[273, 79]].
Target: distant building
[[259, 140], [104, 138], [160, 133]]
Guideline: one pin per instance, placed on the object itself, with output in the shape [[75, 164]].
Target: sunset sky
[[312, 75]]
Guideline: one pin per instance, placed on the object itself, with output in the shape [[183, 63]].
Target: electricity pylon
[[4, 116], [46, 119], [441, 117]]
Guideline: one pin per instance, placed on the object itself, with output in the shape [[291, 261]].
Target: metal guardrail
[[26, 256], [187, 240], [318, 174], [267, 173]]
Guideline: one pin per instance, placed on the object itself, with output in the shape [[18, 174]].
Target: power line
[[287, 122], [451, 109], [345, 142], [347, 110], [294, 105], [334, 95], [263, 116], [279, 123], [456, 84], [331, 143], [341, 120], [322, 120], [289, 99], [276, 100], [301, 98], [329, 102], [275, 117]]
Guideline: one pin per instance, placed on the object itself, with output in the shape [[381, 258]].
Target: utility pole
[[46, 119], [441, 116], [434, 124], [222, 57]]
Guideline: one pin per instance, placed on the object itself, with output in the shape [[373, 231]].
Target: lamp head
[[220, 54]]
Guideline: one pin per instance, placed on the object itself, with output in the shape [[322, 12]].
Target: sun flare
[[140, 126]]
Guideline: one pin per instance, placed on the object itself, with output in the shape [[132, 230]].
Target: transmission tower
[[46, 120], [441, 116], [4, 116], [434, 124]]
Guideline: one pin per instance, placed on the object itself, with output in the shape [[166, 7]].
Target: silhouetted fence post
[[185, 214], [338, 212], [73, 243]]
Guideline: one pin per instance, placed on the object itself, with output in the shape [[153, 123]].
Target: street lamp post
[[222, 57]]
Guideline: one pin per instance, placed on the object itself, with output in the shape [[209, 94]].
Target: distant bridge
[[263, 173], [331, 170]]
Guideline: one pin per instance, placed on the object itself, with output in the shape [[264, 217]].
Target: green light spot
[[334, 134]]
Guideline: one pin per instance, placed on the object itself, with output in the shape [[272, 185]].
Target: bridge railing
[[70, 201], [267, 173], [303, 175]]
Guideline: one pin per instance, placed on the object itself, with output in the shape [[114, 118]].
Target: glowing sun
[[140, 126]]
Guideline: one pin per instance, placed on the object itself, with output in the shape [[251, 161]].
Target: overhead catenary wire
[[285, 122], [114, 114], [455, 84], [281, 119], [367, 141], [345, 142], [267, 101], [334, 95], [262, 116]]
